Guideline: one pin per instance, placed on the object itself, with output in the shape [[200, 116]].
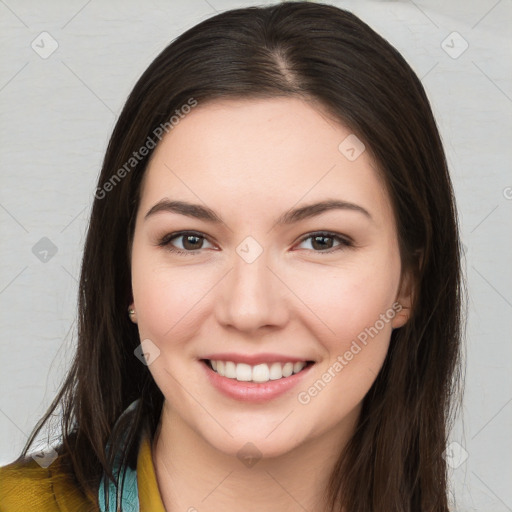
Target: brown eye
[[190, 242], [323, 242]]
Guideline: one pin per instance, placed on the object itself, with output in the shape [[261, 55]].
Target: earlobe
[[132, 314], [401, 316], [403, 302]]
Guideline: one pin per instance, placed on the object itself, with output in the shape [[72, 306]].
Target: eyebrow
[[291, 216]]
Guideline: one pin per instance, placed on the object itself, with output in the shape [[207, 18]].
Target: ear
[[404, 300], [132, 313]]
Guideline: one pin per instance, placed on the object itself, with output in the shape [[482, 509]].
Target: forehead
[[273, 152]]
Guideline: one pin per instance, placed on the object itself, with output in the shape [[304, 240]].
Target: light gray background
[[57, 115]]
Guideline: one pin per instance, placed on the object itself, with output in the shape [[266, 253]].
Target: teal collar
[[129, 499]]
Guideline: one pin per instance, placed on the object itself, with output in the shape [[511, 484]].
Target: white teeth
[[230, 370], [258, 373], [276, 371], [243, 372], [287, 369], [297, 367]]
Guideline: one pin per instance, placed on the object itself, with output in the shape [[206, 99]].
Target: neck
[[194, 476]]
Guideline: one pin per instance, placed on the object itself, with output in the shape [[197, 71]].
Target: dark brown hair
[[394, 462]]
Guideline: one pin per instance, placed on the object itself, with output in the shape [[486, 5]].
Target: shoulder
[[25, 485]]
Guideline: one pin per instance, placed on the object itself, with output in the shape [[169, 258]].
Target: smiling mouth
[[258, 373]]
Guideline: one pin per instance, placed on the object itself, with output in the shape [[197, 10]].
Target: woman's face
[[256, 287]]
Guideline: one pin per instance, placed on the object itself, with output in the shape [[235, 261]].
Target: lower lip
[[253, 391]]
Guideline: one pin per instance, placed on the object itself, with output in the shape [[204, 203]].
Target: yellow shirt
[[27, 487]]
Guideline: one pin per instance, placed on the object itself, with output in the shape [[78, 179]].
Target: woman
[[270, 290]]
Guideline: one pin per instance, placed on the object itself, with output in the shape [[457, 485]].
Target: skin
[[250, 161]]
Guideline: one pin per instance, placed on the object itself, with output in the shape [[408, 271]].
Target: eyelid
[[165, 241], [345, 241], [343, 238], [176, 234]]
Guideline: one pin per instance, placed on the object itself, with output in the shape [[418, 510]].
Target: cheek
[[165, 299], [357, 308], [349, 299]]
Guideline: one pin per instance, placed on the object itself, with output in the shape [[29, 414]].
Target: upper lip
[[254, 359]]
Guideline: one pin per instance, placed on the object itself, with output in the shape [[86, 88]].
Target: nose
[[252, 296]]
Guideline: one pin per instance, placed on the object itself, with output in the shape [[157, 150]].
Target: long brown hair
[[394, 461]]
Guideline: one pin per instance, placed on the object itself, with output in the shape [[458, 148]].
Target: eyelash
[[166, 241]]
